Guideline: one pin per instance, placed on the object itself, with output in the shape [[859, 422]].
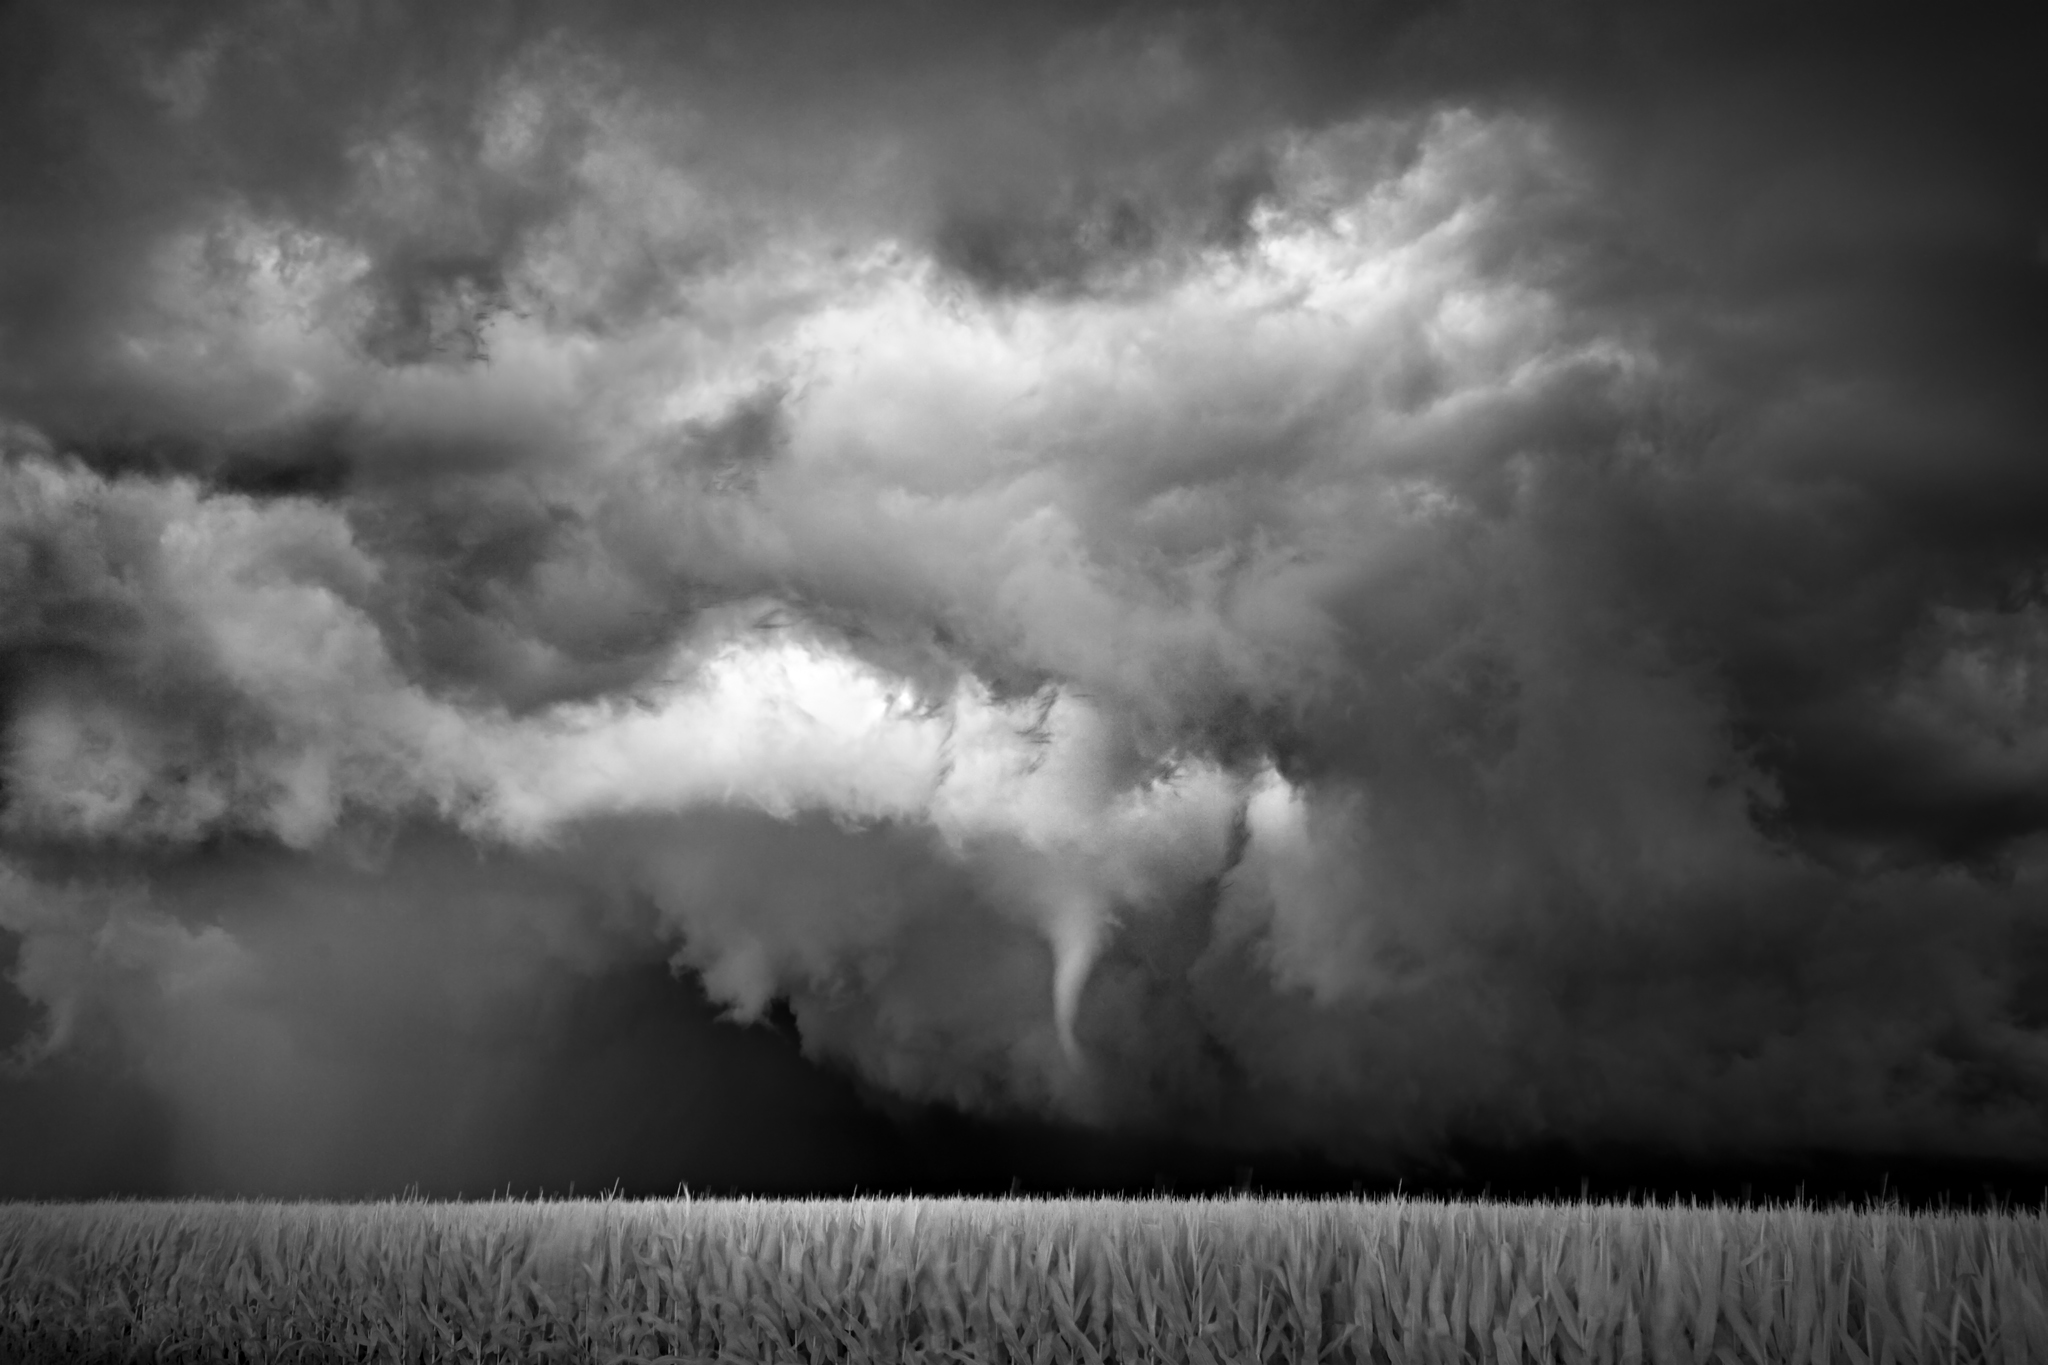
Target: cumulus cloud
[[1181, 591]]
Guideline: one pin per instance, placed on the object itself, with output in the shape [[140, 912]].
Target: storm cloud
[[1360, 581]]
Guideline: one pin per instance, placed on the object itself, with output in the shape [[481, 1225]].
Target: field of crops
[[1106, 1282]]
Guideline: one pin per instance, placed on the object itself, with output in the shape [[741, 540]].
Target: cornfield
[[1094, 1282]]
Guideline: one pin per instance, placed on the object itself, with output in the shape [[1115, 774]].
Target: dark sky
[[909, 595]]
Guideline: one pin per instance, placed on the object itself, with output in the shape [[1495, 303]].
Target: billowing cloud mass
[[1360, 582]]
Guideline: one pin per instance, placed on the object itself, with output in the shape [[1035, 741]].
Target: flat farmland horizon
[[1107, 1281]]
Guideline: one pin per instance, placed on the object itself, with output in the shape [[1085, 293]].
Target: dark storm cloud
[[1369, 577]]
